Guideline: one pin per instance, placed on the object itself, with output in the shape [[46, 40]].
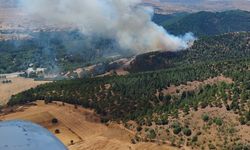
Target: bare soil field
[[79, 128], [18, 85]]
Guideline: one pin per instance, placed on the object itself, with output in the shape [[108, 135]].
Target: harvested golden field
[[79, 128], [18, 85]]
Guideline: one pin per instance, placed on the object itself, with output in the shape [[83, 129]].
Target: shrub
[[211, 147], [176, 127], [204, 104], [172, 140], [57, 131], [152, 134], [187, 132], [175, 124], [148, 122], [167, 130], [247, 116], [210, 122], [242, 120], [195, 138], [139, 128], [164, 121], [54, 121], [186, 109], [205, 117], [177, 130], [218, 121], [158, 122]]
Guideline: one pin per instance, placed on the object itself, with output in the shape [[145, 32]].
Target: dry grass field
[[18, 85], [82, 126]]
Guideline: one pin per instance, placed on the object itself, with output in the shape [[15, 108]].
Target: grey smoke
[[126, 21]]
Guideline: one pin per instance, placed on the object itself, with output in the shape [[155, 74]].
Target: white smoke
[[126, 21]]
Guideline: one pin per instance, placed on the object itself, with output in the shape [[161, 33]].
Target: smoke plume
[[126, 21]]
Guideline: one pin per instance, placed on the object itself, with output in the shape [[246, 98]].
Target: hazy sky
[[178, 5]]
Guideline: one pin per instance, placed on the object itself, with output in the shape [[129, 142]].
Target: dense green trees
[[206, 23], [224, 47]]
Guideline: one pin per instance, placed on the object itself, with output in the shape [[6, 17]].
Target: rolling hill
[[230, 46]]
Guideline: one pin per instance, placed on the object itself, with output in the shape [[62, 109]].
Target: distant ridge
[[173, 6], [206, 23]]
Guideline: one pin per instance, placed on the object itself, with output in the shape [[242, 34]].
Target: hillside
[[208, 23], [161, 106], [206, 49]]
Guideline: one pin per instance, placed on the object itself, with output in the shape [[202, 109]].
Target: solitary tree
[[57, 131], [54, 121]]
